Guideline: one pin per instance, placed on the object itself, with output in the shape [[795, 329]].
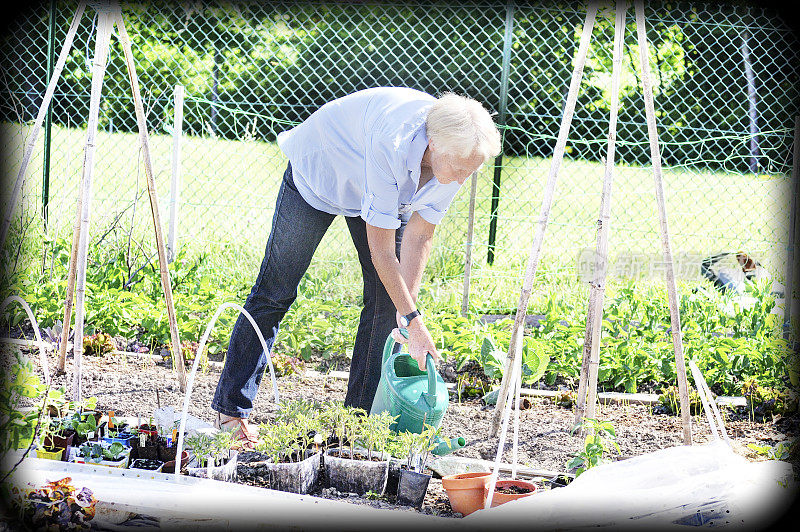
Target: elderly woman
[[390, 160]]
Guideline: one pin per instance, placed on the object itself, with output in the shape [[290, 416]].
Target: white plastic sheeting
[[190, 503], [675, 488]]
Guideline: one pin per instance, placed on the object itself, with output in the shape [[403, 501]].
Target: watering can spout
[[444, 447]]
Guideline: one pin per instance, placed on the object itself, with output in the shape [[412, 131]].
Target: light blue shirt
[[360, 155]]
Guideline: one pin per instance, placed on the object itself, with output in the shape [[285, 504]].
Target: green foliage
[[780, 451], [95, 452], [213, 450], [766, 400], [492, 359], [290, 436], [414, 447], [535, 359], [600, 437], [114, 452], [98, 344], [17, 425], [670, 400]]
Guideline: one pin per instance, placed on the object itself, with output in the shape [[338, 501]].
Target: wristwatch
[[405, 320]]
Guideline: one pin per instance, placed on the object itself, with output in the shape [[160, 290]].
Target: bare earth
[[134, 386]]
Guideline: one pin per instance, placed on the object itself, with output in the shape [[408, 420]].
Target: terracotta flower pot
[[519, 489], [466, 491]]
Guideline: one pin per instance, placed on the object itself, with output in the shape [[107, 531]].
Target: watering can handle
[[430, 367]]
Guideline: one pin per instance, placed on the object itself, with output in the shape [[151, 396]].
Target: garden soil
[[134, 386]]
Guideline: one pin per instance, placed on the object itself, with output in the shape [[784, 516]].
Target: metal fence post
[[48, 122], [501, 120], [788, 291], [177, 133]]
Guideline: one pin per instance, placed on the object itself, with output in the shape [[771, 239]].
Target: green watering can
[[415, 397]]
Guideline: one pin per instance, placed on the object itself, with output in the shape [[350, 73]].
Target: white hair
[[460, 126]]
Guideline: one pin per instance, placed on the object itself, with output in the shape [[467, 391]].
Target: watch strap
[[410, 316]]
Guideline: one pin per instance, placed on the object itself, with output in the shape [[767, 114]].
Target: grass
[[228, 190]]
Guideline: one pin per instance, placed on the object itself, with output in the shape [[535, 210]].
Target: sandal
[[244, 437]]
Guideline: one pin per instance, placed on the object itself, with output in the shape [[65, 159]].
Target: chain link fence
[[726, 94]]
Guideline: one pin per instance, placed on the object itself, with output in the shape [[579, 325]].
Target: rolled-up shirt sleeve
[[380, 203], [434, 212]]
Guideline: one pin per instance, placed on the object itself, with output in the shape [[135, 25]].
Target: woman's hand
[[419, 341]]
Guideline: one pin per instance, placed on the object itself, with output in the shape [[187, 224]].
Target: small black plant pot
[[393, 478], [148, 452], [166, 453], [146, 464], [412, 488]]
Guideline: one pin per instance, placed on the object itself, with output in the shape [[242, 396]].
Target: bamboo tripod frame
[[109, 14], [587, 393]]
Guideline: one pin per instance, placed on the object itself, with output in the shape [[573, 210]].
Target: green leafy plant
[[535, 359], [99, 344], [765, 400], [114, 452], [492, 359], [780, 451], [91, 452], [221, 445], [279, 441], [20, 385], [376, 432], [670, 400], [83, 423], [285, 364], [296, 429], [415, 447], [211, 450], [600, 437], [201, 446]]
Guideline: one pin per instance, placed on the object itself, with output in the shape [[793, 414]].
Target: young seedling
[[600, 435]]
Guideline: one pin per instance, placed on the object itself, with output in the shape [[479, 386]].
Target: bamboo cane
[[587, 389], [177, 354], [73, 258], [102, 44], [547, 202], [470, 236], [37, 124], [672, 290]]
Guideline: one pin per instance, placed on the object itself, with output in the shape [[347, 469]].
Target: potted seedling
[[168, 445], [85, 427], [288, 455], [114, 455], [148, 428], [354, 469], [117, 431], [44, 442], [145, 442], [60, 435], [214, 456], [413, 482]]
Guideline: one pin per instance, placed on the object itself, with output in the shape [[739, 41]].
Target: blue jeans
[[297, 229]]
